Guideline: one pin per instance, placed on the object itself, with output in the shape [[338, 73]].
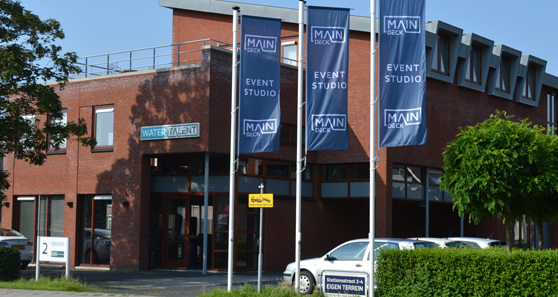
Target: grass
[[250, 291], [46, 283]]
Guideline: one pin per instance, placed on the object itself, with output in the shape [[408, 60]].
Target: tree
[[503, 168], [30, 110]]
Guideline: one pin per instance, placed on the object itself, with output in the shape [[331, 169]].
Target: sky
[[106, 26]]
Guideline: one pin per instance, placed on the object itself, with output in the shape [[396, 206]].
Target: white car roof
[[434, 239], [476, 239]]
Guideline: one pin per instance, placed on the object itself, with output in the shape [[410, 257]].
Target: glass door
[[96, 234], [177, 219]]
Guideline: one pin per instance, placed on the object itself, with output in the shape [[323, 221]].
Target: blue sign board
[[259, 107], [402, 71], [327, 78], [345, 285], [170, 131]]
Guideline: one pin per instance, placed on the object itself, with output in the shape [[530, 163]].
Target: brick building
[[138, 204]]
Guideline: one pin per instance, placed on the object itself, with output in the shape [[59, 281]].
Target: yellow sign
[[260, 200]]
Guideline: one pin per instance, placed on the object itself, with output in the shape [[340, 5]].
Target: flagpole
[[299, 141], [372, 233], [236, 9]]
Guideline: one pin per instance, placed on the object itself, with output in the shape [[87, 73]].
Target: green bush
[[467, 272], [10, 263]]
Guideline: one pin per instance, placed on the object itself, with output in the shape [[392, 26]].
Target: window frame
[[438, 56], [472, 64], [102, 109], [551, 113], [431, 183], [530, 83], [285, 59], [350, 178], [61, 149], [406, 182], [34, 119], [503, 79]]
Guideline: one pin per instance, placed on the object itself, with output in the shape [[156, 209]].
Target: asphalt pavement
[[167, 283]]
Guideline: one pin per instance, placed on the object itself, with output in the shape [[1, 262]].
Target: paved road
[[144, 283]]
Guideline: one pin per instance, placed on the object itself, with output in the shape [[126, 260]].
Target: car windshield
[[425, 245], [9, 232], [472, 244], [350, 251], [102, 233], [498, 244], [378, 246], [456, 244]]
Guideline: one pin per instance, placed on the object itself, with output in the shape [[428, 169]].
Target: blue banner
[[327, 70], [259, 108], [402, 74]]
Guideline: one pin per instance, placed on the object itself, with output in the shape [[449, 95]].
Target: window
[[290, 53], [27, 140], [434, 192], [529, 88], [346, 180], [104, 126], [440, 62], [503, 75], [473, 73], [63, 121], [551, 113], [288, 134], [51, 210], [350, 252], [407, 182]]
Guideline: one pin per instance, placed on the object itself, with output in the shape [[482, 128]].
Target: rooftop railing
[[144, 59]]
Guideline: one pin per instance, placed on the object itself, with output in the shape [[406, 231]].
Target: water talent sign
[[170, 131], [402, 115]]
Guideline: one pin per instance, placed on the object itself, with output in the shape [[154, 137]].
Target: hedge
[[467, 272], [10, 264]]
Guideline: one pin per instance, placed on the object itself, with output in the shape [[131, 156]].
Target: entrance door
[[176, 227]]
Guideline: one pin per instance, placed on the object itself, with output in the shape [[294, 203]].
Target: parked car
[[482, 243], [16, 240], [446, 242], [349, 257], [101, 246]]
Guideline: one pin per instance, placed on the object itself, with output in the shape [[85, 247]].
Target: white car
[[482, 243], [350, 258], [16, 240], [445, 242]]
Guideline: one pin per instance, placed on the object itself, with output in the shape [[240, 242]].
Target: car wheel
[[24, 265], [307, 283]]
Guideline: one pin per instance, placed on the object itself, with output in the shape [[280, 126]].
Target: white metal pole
[[427, 204], [205, 212], [67, 256], [260, 256], [299, 141], [372, 233], [236, 9], [38, 248]]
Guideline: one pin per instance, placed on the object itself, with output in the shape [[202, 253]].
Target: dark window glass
[[219, 165], [335, 172], [360, 171], [474, 66], [277, 169]]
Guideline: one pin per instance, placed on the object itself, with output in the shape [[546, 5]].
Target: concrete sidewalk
[[145, 283]]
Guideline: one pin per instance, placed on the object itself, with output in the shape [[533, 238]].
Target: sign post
[[260, 201], [54, 249]]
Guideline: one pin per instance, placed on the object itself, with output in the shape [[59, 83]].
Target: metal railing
[[158, 57]]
